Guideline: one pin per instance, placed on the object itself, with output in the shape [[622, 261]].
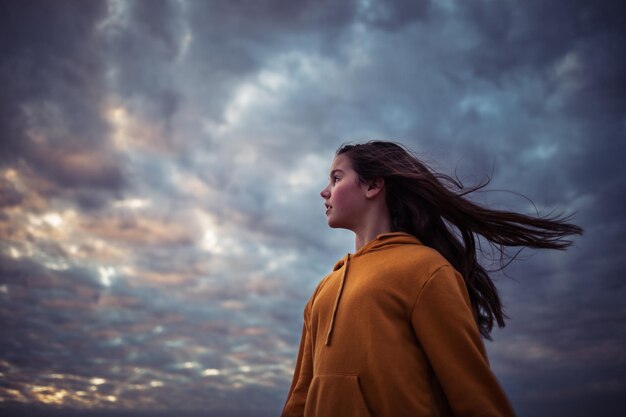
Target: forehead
[[341, 162]]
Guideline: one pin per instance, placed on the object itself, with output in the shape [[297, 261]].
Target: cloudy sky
[[160, 164]]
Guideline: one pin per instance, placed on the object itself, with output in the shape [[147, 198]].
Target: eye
[[335, 179]]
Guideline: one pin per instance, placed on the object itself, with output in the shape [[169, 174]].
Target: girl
[[395, 330]]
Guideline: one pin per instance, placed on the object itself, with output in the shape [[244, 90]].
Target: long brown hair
[[431, 206]]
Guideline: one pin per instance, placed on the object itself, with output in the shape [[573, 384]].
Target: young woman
[[395, 330]]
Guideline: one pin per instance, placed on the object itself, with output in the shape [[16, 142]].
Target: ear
[[374, 187]]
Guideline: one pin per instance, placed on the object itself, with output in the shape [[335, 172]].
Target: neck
[[369, 232]]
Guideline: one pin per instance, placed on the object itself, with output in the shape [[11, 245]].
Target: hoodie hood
[[382, 242]]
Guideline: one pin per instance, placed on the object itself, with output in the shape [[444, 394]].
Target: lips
[[328, 207]]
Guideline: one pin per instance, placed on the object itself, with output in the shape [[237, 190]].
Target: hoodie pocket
[[335, 396]]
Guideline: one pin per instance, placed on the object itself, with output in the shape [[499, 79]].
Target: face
[[344, 196]]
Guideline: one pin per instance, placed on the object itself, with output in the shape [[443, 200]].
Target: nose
[[325, 193]]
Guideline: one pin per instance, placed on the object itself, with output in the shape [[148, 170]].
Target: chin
[[336, 224], [332, 223]]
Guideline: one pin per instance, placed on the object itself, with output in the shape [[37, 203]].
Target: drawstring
[[343, 280]]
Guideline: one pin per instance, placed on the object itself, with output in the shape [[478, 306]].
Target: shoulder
[[417, 258], [405, 268], [319, 287]]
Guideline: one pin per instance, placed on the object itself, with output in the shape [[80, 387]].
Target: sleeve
[[294, 406], [443, 322]]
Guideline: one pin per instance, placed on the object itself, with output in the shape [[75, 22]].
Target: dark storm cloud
[[52, 77], [539, 33], [576, 50], [141, 40], [252, 30], [9, 196]]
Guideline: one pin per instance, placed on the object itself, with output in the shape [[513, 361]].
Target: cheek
[[337, 195], [344, 196]]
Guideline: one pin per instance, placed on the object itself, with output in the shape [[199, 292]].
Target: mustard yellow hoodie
[[390, 333]]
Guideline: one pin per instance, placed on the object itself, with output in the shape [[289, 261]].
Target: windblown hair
[[431, 205]]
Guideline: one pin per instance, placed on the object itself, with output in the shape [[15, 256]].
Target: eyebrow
[[334, 171]]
